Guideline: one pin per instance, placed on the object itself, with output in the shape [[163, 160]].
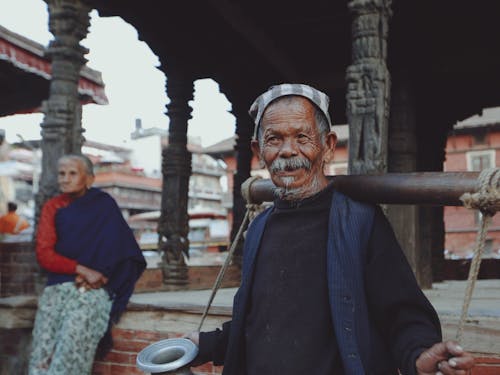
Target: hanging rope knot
[[487, 199]]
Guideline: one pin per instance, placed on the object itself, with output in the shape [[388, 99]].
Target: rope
[[249, 214], [487, 201]]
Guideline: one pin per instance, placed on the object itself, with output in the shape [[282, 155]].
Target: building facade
[[473, 145]]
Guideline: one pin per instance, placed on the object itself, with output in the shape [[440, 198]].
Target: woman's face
[[73, 178]]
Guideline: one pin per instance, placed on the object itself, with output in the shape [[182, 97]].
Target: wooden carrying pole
[[427, 188]]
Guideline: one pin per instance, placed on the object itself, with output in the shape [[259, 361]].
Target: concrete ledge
[[17, 312]]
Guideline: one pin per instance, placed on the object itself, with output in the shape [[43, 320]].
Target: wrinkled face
[[292, 149], [73, 178]]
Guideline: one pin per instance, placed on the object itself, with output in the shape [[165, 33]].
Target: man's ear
[[254, 144], [331, 142]]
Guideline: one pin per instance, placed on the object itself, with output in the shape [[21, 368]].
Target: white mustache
[[289, 164]]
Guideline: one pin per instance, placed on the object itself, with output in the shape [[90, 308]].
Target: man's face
[[291, 146], [73, 178]]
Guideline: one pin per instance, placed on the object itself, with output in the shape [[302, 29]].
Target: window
[[479, 160], [488, 247]]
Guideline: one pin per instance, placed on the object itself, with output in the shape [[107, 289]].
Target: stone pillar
[[61, 127], [243, 152], [173, 225], [368, 87]]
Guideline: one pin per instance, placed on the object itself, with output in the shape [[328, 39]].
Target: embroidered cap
[[319, 98]]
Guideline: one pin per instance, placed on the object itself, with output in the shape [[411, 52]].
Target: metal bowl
[[166, 355]]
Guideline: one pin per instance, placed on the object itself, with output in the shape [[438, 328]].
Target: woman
[[92, 261]]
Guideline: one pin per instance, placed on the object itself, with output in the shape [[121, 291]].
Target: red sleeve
[[46, 239]]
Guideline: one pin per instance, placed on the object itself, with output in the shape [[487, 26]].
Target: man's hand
[[194, 337], [444, 358], [89, 278]]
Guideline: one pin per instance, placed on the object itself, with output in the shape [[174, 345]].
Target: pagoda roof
[[25, 73]]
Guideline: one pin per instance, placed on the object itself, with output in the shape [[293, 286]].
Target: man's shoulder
[[346, 200]]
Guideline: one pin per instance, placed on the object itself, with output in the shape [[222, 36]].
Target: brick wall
[[20, 273], [13, 353], [18, 269], [487, 366], [200, 277], [127, 343]]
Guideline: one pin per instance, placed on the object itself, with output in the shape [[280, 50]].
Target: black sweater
[[288, 325]]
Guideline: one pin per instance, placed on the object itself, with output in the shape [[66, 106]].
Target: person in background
[[11, 222], [92, 260], [325, 286]]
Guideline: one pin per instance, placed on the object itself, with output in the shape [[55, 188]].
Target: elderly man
[[325, 286]]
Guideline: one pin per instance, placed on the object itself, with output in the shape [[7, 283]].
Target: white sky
[[134, 86]]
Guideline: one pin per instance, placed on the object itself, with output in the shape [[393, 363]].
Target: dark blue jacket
[[364, 347]]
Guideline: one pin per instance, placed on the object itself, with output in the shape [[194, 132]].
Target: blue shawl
[[92, 231]]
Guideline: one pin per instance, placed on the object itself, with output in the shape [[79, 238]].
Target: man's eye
[[302, 138]]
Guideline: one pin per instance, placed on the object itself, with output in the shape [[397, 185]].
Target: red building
[[472, 146]]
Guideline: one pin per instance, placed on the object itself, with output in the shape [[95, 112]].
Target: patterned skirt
[[68, 327]]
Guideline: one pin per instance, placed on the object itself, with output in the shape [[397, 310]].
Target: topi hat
[[319, 98]]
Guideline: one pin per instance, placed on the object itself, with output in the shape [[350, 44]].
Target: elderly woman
[[92, 261]]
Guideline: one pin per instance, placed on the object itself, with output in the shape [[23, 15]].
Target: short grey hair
[[86, 162], [322, 123]]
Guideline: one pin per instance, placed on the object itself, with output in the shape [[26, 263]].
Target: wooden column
[[173, 225], [243, 152], [402, 157], [368, 87], [431, 156], [61, 126]]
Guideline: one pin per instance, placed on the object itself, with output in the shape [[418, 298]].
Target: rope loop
[[487, 199]]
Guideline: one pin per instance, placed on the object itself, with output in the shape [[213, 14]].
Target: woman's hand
[[89, 278]]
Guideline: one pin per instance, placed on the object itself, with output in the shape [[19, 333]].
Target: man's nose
[[288, 148]]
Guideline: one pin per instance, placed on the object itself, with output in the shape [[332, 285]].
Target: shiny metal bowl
[[166, 355]]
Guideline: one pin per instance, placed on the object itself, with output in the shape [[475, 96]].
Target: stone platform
[[154, 316]]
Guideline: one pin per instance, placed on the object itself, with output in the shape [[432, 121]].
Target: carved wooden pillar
[[368, 87], [173, 225], [61, 126], [243, 152]]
